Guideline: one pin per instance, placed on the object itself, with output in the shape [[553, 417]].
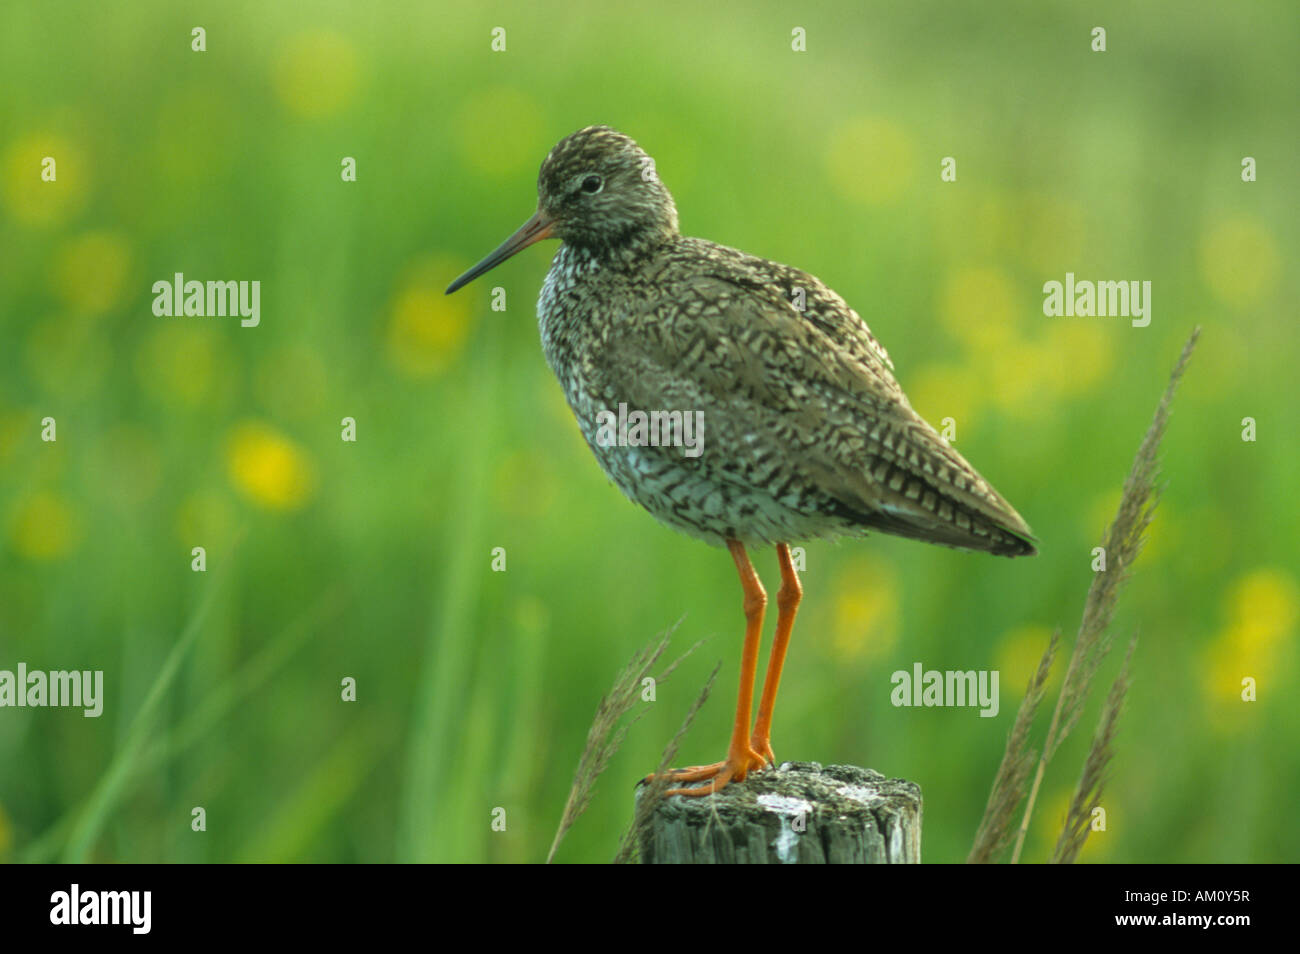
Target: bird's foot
[[735, 768], [763, 747]]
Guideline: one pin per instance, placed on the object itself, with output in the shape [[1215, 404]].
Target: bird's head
[[597, 190]]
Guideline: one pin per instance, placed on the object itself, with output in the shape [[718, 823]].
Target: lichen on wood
[[798, 813]]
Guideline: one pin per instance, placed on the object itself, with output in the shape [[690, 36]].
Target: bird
[[804, 432]]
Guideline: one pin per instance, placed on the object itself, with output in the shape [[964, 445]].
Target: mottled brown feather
[[807, 432]]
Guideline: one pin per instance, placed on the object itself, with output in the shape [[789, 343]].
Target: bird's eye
[[592, 184]]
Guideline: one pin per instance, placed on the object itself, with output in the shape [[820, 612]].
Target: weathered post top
[[798, 813]]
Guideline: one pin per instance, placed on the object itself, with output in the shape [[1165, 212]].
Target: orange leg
[[741, 758], [787, 604]]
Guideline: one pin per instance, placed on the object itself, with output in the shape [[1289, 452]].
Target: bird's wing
[[786, 397], [819, 304]]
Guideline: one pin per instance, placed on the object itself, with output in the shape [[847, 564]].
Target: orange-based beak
[[534, 230]]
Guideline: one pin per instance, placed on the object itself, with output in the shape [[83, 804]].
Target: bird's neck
[[626, 253]]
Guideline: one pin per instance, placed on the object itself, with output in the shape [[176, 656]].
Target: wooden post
[[799, 813]]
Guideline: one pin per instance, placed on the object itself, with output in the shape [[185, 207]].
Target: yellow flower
[[939, 391], [978, 307], [427, 328], [1162, 532], [1239, 260], [1266, 602], [316, 73], [1050, 815], [91, 270], [1078, 357], [1262, 609], [1019, 383], [1018, 656], [30, 199], [44, 528], [866, 609], [268, 468]]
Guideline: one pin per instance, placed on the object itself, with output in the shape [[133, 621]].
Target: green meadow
[[325, 560]]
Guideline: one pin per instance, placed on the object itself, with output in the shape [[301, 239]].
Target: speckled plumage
[[806, 432]]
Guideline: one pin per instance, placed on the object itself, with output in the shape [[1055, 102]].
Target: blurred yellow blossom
[[268, 468], [30, 199], [1261, 610], [1239, 261], [1049, 819], [978, 307], [316, 73], [44, 527], [90, 271], [1158, 537], [1077, 356], [946, 390], [1019, 380], [1018, 655], [866, 608], [427, 328]]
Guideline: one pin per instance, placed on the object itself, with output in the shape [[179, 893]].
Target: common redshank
[[805, 433]]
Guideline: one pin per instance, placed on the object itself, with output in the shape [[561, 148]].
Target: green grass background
[[372, 560]]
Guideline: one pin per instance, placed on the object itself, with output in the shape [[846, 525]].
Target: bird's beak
[[534, 230]]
